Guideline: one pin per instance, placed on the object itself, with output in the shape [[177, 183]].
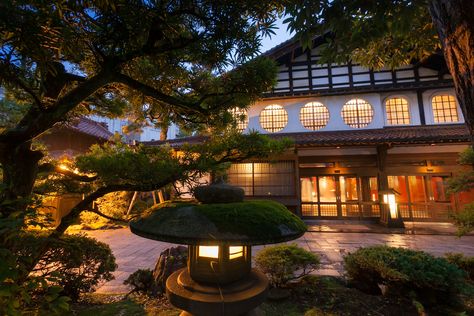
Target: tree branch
[[158, 95], [96, 211], [14, 79], [36, 122], [49, 168]]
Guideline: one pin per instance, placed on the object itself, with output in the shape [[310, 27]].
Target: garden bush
[[462, 262], [141, 281], [284, 263], [114, 204], [404, 272], [75, 263]]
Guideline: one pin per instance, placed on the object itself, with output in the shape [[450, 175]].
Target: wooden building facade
[[357, 132]]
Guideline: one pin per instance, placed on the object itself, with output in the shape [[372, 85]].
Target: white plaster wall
[[333, 103]]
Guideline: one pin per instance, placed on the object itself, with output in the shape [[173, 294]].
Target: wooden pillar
[[382, 181]]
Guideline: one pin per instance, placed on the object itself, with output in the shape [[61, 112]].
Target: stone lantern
[[219, 279]]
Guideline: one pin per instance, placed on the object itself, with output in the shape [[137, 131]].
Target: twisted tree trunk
[[20, 167], [453, 19]]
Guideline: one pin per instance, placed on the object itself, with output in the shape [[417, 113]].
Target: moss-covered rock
[[219, 193], [244, 223]]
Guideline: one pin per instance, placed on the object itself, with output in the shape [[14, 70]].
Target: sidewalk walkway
[[133, 252], [367, 226]]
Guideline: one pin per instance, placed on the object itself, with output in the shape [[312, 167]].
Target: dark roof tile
[[430, 134], [90, 127]]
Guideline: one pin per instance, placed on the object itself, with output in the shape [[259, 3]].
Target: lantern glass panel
[[236, 252], [209, 251]]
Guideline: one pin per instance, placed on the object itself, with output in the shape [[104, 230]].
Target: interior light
[[236, 252], [392, 204], [209, 251]]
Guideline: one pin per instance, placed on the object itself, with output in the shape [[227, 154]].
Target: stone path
[[133, 252]]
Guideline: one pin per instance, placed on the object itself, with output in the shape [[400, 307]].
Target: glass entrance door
[[422, 197], [331, 196]]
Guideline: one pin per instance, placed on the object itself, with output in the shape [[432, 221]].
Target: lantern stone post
[[219, 279]]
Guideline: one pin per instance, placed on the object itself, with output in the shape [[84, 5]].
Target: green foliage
[[404, 271], [382, 34], [464, 219], [462, 262], [464, 182], [145, 168], [461, 183], [284, 263], [10, 112], [74, 263], [36, 294], [466, 157], [141, 281], [174, 57], [114, 204]]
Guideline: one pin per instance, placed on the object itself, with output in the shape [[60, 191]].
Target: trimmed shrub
[[114, 204], [404, 271], [462, 262], [284, 263], [141, 281], [76, 263]]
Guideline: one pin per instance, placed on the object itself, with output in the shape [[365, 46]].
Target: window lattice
[[398, 112], [241, 118], [273, 118], [357, 113], [264, 178], [314, 116], [445, 109]]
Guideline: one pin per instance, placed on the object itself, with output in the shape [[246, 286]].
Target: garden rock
[[170, 260]]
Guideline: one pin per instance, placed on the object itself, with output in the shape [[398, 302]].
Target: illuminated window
[[445, 109], [314, 116], [236, 252], [357, 113], [209, 251], [273, 118], [241, 117], [264, 178], [398, 112]]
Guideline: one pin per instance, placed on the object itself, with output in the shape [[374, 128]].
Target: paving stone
[[133, 252]]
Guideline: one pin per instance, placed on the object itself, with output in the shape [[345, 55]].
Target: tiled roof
[[388, 135], [429, 134], [91, 127]]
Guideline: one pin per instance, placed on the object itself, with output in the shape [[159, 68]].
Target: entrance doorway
[[422, 197], [339, 196]]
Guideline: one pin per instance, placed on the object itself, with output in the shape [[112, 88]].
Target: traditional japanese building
[[357, 132], [76, 137]]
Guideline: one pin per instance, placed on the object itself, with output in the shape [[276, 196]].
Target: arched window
[[357, 113], [398, 111], [314, 116], [273, 118], [241, 118], [445, 109]]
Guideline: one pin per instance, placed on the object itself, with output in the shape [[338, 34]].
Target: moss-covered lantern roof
[[241, 223]]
